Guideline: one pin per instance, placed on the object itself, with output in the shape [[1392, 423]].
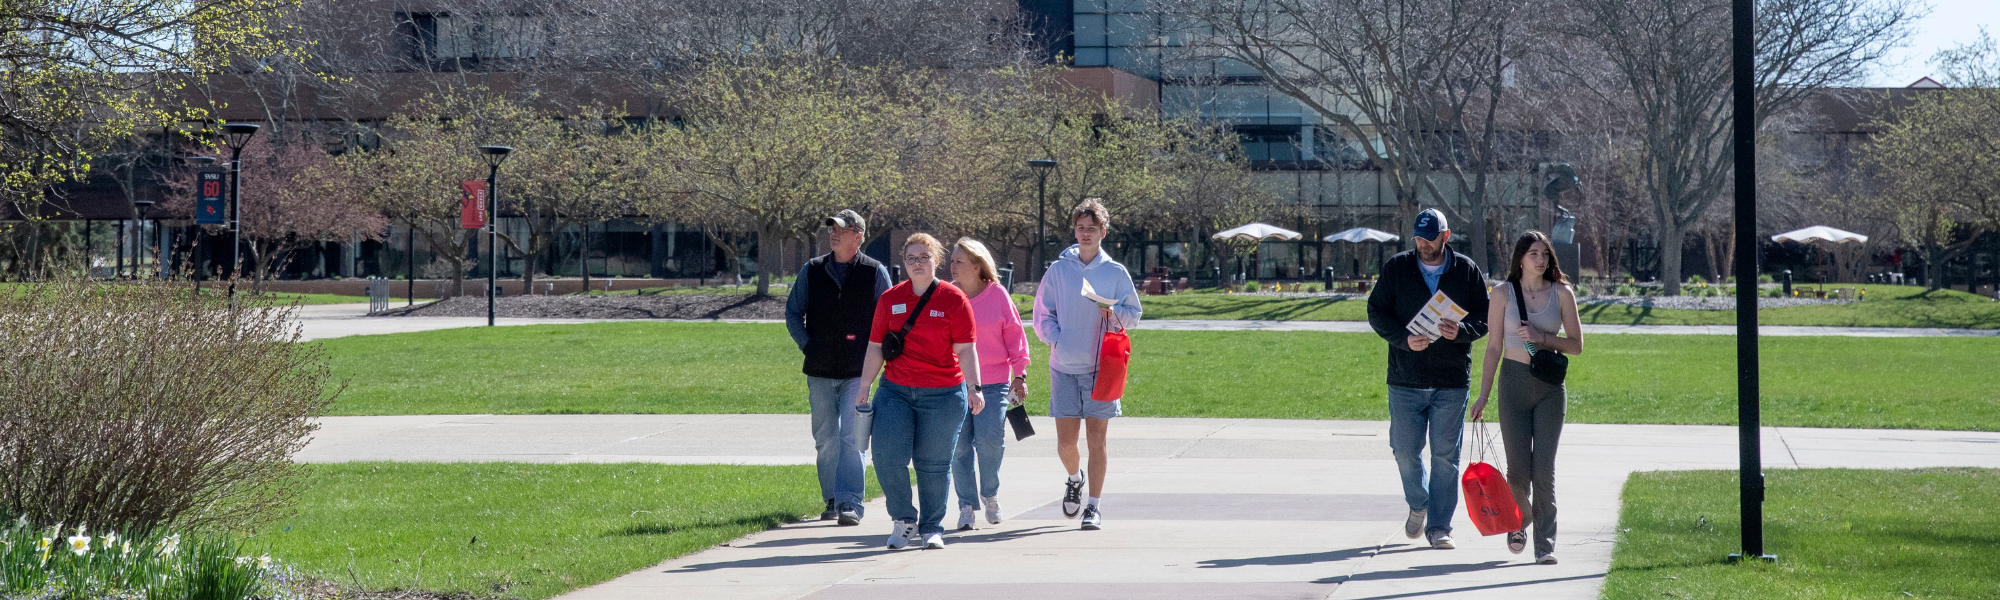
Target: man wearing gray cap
[[1429, 377], [829, 312]]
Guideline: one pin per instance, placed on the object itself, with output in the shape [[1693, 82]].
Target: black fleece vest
[[838, 317]]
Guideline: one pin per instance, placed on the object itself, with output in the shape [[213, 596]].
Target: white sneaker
[[965, 519], [1441, 541], [993, 510], [1415, 526], [1092, 519], [901, 533], [1545, 559], [934, 541]]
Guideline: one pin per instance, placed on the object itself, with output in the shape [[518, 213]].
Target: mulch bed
[[743, 306]]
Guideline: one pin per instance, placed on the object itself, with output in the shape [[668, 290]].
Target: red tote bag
[[1488, 500], [1112, 357]]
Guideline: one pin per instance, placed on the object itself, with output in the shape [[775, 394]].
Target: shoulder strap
[[1520, 301], [926, 299]]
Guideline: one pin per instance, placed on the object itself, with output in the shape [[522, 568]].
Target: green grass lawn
[[520, 530], [1837, 533], [1926, 383], [1886, 306]]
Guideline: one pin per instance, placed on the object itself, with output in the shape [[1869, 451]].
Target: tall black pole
[[1041, 222], [492, 239], [235, 212], [1743, 73], [410, 266]]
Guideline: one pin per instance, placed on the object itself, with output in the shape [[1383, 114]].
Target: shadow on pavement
[[1476, 588], [1304, 559]]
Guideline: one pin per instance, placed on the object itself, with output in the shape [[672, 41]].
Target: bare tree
[[1414, 85], [1669, 59]]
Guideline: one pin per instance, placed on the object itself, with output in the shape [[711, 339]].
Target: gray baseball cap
[[848, 219]]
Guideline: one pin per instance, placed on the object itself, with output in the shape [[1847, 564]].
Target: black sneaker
[[1517, 541], [850, 514], [830, 513], [1072, 497], [1092, 520]]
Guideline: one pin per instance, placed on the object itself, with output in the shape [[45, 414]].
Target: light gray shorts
[[1069, 397]]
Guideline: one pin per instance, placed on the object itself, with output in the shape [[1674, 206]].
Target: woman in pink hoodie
[[1003, 360]]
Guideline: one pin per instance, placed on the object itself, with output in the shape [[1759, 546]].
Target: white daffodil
[[110, 540], [172, 545], [46, 542], [79, 544], [126, 549], [264, 562]]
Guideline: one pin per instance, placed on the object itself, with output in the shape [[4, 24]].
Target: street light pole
[[494, 156], [1041, 167], [237, 135], [1744, 122]]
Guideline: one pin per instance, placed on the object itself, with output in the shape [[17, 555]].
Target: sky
[[1949, 24]]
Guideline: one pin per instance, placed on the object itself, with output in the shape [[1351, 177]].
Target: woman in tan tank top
[[1531, 411]]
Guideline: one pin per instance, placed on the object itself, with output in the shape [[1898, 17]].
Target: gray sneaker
[[830, 513], [1441, 540], [1545, 558], [1092, 520], [992, 510], [850, 514], [1415, 526], [1517, 541]]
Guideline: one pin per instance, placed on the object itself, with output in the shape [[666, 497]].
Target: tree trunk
[[1672, 238], [770, 239]]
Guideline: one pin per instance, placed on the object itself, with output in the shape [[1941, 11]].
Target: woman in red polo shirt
[[922, 400]]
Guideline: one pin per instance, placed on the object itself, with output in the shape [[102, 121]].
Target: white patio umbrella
[[1818, 234], [1256, 232], [1362, 234]]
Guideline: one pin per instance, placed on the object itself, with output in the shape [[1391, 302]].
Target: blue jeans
[[1440, 413], [916, 425], [833, 437], [984, 434]]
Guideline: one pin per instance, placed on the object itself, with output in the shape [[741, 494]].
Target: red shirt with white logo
[[928, 360]]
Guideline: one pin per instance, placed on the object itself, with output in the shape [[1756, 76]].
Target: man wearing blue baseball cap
[[1429, 377]]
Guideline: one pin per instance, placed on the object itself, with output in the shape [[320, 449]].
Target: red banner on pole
[[472, 204]]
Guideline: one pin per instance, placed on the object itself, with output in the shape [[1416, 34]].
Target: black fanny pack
[[1545, 364], [892, 341]]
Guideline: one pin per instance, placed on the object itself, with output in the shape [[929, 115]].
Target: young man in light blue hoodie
[[1074, 326]]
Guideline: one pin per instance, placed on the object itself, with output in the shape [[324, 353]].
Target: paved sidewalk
[[1195, 508], [341, 320]]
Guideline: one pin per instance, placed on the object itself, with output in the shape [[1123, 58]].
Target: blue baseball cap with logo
[[1430, 223]]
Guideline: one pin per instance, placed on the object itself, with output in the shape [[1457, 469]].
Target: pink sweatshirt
[[1003, 345]]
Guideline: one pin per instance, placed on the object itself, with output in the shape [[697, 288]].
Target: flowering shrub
[[136, 405], [60, 563]]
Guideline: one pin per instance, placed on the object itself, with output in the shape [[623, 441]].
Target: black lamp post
[[236, 135], [199, 162], [494, 156], [1041, 167], [1743, 92]]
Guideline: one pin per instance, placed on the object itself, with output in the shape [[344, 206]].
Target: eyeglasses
[[917, 258]]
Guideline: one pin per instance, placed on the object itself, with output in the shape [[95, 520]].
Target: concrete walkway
[[1194, 508], [341, 320]]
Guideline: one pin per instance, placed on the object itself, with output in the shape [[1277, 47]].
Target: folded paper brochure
[[1438, 310]]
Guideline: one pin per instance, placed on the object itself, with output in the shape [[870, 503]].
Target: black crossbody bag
[[1545, 364], [892, 341]]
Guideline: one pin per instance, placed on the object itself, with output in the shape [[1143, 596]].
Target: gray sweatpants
[[1531, 421]]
